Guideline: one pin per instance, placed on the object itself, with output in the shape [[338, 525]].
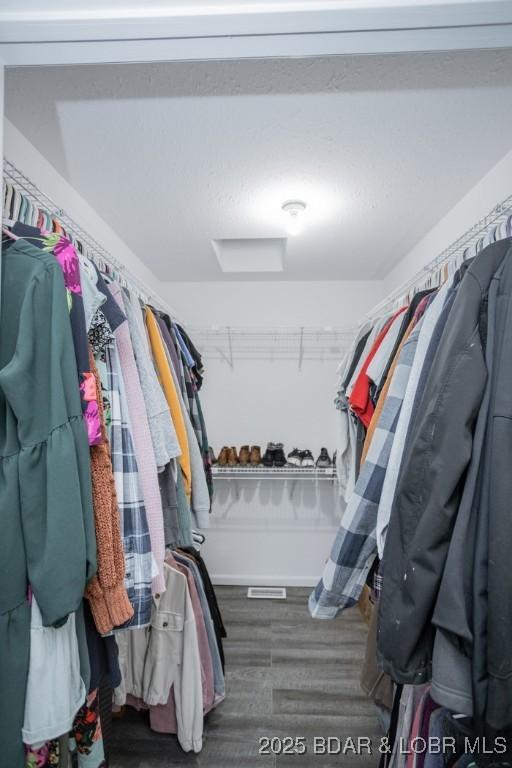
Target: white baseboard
[[264, 581]]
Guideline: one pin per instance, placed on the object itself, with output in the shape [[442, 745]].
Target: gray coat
[[431, 480]]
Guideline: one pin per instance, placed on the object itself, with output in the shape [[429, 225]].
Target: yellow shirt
[[171, 395]]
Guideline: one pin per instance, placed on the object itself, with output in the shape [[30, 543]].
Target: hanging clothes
[[143, 446], [167, 656], [55, 691], [355, 547], [425, 486], [106, 592], [67, 257], [89, 430], [140, 566], [432, 328], [163, 433], [200, 496], [46, 494], [346, 448], [359, 399], [169, 387]]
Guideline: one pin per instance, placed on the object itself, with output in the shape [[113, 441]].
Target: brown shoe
[[232, 457], [244, 455], [223, 457], [255, 456]]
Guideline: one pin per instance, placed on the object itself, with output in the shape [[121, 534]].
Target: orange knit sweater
[[106, 592]]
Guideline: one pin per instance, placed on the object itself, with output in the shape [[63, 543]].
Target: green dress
[[47, 536]]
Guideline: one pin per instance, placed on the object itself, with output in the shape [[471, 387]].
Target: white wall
[[494, 187], [272, 532], [269, 303], [258, 401]]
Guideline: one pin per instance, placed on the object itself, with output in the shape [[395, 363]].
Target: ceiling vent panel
[[256, 254]]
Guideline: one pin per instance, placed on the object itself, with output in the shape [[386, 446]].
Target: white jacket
[[165, 654]]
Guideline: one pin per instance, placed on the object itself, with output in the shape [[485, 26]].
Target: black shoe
[[324, 460], [307, 460], [279, 457], [268, 457], [295, 458]]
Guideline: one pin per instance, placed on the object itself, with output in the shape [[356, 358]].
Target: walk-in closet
[[256, 384]]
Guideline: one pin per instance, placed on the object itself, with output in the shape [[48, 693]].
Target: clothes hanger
[[6, 231], [200, 538]]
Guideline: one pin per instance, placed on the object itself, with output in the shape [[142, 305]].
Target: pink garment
[[89, 387], [91, 413], [143, 444], [163, 716], [67, 257], [92, 422]]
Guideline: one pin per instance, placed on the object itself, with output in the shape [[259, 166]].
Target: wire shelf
[[229, 343], [273, 473]]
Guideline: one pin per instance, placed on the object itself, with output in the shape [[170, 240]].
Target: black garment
[[169, 496], [110, 308], [496, 517], [103, 653], [211, 598], [360, 439], [355, 359], [198, 368], [393, 728], [456, 609], [433, 345], [431, 481]]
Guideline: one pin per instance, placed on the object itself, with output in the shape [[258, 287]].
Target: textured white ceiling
[[175, 155]]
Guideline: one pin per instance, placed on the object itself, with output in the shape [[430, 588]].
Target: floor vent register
[[267, 593]]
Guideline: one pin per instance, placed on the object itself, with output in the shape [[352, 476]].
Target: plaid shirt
[[134, 524], [355, 547]]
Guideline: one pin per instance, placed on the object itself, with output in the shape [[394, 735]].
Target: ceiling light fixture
[[295, 210]]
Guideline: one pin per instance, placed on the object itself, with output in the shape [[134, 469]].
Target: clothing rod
[[463, 243], [95, 250]]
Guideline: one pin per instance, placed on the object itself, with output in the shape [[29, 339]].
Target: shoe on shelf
[[244, 455], [279, 457], [232, 457], [255, 456], [211, 456], [307, 460], [295, 458], [222, 460], [324, 460], [268, 456]]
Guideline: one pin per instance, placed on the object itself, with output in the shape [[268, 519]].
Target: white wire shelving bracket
[[473, 240], [230, 343], [92, 248]]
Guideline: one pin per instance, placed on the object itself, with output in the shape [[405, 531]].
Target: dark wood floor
[[286, 675]]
